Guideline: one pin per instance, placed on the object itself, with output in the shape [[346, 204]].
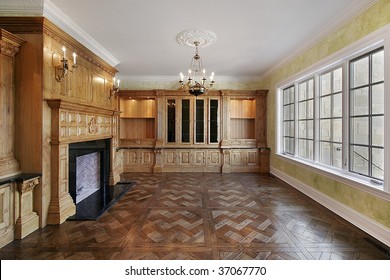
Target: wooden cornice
[[9, 43], [56, 104], [41, 25], [162, 92]]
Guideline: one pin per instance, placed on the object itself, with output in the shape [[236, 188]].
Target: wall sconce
[[63, 69], [115, 87]]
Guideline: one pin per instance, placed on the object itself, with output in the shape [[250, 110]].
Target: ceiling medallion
[[196, 82], [188, 38]]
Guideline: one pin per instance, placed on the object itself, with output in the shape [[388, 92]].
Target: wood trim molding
[[368, 225], [9, 43], [180, 92], [73, 106]]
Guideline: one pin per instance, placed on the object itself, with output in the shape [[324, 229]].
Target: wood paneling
[[10, 46], [41, 134], [242, 128], [243, 108], [138, 108], [137, 128]]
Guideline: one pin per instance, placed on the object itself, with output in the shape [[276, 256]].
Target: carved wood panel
[[169, 157], [214, 158], [199, 157]]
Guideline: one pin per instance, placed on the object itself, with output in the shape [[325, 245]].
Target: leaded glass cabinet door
[[185, 120], [171, 120], [213, 121], [199, 121]]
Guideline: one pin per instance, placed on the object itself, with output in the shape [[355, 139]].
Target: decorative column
[[9, 47], [160, 124], [28, 220]]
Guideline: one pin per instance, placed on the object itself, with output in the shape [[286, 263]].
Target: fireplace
[[89, 169]]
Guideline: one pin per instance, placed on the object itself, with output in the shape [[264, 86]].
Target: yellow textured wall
[[370, 20]]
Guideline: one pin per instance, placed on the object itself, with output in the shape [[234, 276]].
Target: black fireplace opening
[[89, 171]]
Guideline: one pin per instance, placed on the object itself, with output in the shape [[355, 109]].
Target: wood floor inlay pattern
[[203, 216]]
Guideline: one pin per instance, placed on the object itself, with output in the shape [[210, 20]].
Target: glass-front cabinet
[[173, 131]]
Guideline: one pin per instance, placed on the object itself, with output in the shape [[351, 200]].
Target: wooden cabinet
[[244, 160], [192, 160], [6, 214], [223, 131], [138, 160]]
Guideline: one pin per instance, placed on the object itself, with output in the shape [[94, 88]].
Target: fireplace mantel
[[73, 122]]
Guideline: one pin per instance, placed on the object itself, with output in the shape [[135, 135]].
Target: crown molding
[[56, 16], [48, 10], [351, 12]]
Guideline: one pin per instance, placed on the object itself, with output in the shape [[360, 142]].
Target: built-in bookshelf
[[173, 131], [243, 118], [138, 119]]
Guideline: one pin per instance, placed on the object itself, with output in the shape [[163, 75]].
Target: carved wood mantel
[[72, 122]]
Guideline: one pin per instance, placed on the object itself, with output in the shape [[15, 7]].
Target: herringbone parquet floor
[[203, 216]]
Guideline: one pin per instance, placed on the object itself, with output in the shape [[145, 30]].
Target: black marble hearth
[[97, 203], [89, 169]]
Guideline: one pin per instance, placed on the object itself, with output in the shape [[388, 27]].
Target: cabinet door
[[199, 157], [184, 157], [214, 158], [132, 157], [238, 158], [252, 157], [6, 212], [147, 157], [169, 157]]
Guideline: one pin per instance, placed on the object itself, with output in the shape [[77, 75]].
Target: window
[[367, 115], [331, 113], [335, 117], [306, 119], [289, 120]]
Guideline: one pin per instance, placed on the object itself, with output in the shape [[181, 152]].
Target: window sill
[[340, 176]]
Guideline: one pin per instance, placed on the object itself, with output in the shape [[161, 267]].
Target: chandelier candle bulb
[[64, 51], [74, 57]]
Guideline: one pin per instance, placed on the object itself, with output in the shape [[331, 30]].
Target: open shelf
[[242, 118], [137, 119], [137, 128]]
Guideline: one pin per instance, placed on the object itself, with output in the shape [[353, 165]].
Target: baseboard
[[373, 228]]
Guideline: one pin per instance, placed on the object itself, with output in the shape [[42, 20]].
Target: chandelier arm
[[194, 86]]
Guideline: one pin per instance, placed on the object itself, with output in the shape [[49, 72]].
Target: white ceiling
[[253, 36]]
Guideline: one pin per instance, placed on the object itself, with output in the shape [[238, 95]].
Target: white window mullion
[[296, 120], [345, 116], [316, 118], [386, 183]]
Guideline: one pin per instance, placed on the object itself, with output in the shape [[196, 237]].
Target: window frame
[[380, 38], [331, 117], [369, 114]]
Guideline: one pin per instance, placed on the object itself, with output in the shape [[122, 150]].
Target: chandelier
[[196, 82]]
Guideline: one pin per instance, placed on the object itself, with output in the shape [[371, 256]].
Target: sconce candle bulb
[[115, 87], [63, 69]]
